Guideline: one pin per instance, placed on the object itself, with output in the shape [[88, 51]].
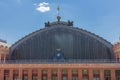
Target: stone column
[[59, 74], [2, 74], [69, 74], [80, 77], [113, 77], [29, 74], [49, 74], [0, 57], [39, 74], [20, 74], [11, 74], [90, 74], [101, 74], [4, 58]]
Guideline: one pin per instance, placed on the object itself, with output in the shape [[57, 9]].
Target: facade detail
[[116, 49], [4, 50], [60, 52]]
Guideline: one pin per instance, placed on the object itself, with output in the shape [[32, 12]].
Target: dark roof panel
[[74, 43]]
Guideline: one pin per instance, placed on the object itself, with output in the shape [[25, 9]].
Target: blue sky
[[21, 17]]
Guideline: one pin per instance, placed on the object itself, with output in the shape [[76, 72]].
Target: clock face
[[58, 54]]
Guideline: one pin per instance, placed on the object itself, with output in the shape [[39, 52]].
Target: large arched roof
[[72, 42], [63, 24]]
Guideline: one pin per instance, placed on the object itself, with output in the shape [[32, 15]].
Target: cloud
[[43, 7]]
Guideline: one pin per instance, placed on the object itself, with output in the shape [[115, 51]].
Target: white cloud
[[43, 7]]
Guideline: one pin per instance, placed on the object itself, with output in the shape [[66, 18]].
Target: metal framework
[[72, 42]]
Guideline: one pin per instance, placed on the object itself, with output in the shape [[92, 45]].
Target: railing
[[71, 61]]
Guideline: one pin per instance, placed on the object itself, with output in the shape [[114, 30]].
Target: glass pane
[[34, 78], [85, 78], [107, 78], [74, 78], [44, 78], [54, 72], [96, 72], [107, 72], [44, 71], [74, 72], [117, 72], [118, 78], [96, 78], [6, 78], [25, 78], [64, 78], [54, 78], [85, 71], [64, 72], [15, 78]]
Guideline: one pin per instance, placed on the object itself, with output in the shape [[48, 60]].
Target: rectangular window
[[74, 75], [107, 75], [54, 75], [34, 75], [117, 73], [15, 74], [96, 75], [85, 74], [64, 74], [25, 74], [6, 74], [44, 74]]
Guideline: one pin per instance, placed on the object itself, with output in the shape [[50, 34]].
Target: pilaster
[[80, 77], [59, 74], [113, 77], [11, 74], [39, 74], [90, 74], [101, 74], [2, 74], [49, 74], [20, 74], [69, 74], [30, 74]]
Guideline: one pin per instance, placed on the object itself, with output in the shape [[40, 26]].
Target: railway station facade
[[60, 51]]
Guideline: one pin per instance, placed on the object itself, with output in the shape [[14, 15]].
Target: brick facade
[[116, 49], [4, 52], [59, 68]]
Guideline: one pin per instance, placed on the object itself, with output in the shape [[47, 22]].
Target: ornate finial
[[47, 24], [58, 17], [58, 9], [70, 23]]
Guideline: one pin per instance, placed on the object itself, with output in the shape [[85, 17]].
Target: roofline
[[56, 24]]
